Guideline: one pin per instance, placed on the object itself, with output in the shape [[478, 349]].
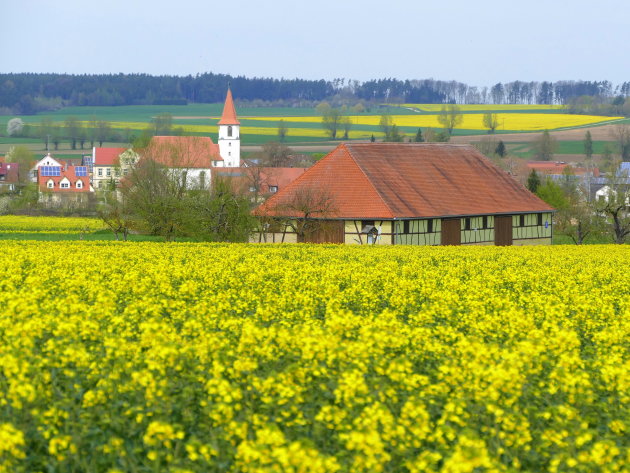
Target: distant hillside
[[28, 93]]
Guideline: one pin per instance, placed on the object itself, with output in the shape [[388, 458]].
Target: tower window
[[229, 131]]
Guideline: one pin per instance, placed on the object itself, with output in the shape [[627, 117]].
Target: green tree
[[25, 159], [545, 146], [622, 136], [501, 150], [533, 181], [450, 117], [553, 194], [588, 145], [220, 214], [490, 121], [615, 207], [372, 138], [419, 138]]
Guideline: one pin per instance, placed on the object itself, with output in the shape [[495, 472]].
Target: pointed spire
[[229, 112]]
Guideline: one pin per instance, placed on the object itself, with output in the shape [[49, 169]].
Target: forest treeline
[[29, 93]]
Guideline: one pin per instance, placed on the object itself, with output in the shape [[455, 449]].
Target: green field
[[259, 125]]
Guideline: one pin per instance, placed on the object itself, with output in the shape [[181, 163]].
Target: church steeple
[[229, 112], [229, 134]]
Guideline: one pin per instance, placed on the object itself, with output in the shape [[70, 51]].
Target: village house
[[64, 184], [417, 194], [9, 176]]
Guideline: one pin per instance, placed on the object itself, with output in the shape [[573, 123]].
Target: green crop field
[[260, 124]]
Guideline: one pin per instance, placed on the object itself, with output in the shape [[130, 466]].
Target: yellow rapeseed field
[[190, 357], [28, 224], [473, 121]]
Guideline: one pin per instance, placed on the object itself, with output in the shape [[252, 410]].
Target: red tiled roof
[[265, 176], [389, 180], [183, 151], [107, 156], [229, 112], [69, 173]]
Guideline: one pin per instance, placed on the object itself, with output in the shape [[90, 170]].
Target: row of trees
[[80, 134], [26, 93]]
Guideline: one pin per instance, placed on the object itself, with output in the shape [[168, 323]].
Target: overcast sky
[[479, 43]]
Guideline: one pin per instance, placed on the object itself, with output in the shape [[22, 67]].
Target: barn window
[[540, 220], [522, 220], [429, 226], [485, 221], [406, 226], [467, 223]]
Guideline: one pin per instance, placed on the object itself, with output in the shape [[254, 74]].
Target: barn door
[[328, 231], [503, 230], [451, 231]]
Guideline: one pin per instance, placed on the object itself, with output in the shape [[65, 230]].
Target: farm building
[[418, 194]]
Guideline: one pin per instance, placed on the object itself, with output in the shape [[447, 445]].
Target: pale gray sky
[[479, 43]]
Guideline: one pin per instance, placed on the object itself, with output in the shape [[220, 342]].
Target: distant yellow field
[[433, 107], [507, 121]]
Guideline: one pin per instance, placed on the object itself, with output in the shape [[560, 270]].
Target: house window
[[100, 172], [521, 220], [406, 226], [79, 185], [117, 172], [50, 184], [202, 180], [230, 143], [252, 189], [65, 185], [429, 226], [540, 220], [273, 189], [109, 172], [229, 131]]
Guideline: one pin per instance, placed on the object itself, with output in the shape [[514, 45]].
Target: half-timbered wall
[[477, 230], [353, 235], [418, 232], [530, 229]]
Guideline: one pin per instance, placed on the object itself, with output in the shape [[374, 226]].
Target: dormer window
[[79, 185], [273, 189], [50, 184], [229, 131]]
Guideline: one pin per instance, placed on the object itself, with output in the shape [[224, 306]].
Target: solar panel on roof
[[80, 171], [51, 171]]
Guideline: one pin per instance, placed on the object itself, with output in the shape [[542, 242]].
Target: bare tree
[[308, 210], [115, 214], [615, 206], [274, 154], [621, 134], [450, 117], [490, 121]]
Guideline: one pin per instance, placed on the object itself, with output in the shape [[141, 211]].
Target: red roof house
[[407, 193]]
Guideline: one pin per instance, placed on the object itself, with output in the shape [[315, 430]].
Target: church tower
[[229, 134]]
